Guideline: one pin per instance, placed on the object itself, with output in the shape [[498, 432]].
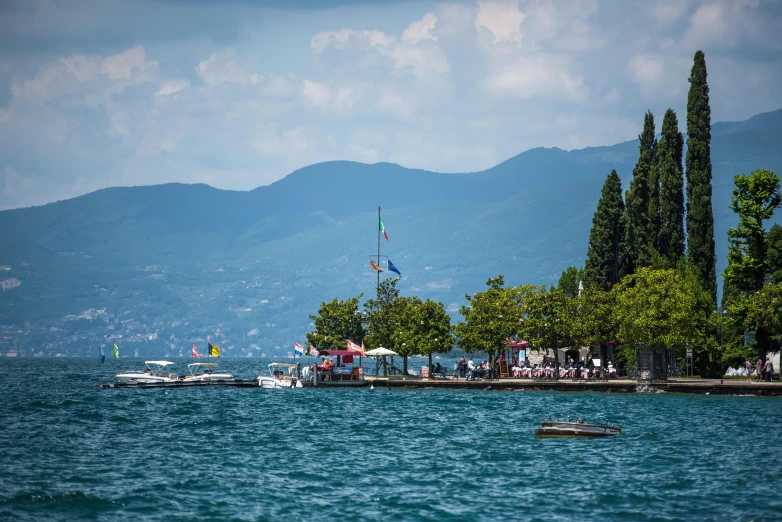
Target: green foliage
[[754, 199], [764, 310], [595, 322], [490, 317], [654, 308], [603, 266], [670, 240], [569, 280], [336, 323], [422, 328], [774, 255], [382, 315], [641, 228], [700, 216], [548, 317]]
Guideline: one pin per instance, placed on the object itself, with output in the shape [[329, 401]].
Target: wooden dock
[[693, 386]]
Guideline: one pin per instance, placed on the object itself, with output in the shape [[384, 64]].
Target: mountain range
[[161, 267]]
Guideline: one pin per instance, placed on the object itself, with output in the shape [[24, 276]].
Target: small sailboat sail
[[116, 352], [136, 352], [101, 355]]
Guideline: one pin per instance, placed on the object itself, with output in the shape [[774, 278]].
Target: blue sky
[[238, 94]]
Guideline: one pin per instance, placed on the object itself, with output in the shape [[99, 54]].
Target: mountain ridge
[[163, 266]]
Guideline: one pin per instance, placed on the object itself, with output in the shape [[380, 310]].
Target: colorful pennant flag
[[353, 347], [116, 352], [392, 268], [214, 351], [374, 266], [195, 352], [383, 229], [314, 351], [298, 349]]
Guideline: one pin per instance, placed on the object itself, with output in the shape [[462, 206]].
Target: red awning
[[516, 344]]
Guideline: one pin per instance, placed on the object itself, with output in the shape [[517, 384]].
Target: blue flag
[[392, 268]]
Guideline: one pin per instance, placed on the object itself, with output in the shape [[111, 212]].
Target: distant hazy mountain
[[158, 268]]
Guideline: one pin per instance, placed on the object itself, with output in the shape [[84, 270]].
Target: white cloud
[[502, 19], [317, 94], [325, 39], [660, 76], [668, 11], [273, 144], [222, 67], [531, 76], [120, 66], [172, 86], [646, 68], [420, 30]]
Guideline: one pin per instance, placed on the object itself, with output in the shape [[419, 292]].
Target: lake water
[[71, 451]]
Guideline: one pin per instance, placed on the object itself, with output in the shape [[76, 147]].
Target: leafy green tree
[[700, 216], [640, 227], [548, 323], [654, 308], [569, 280], [603, 267], [381, 316], [594, 322], [490, 318], [423, 328], [774, 254], [764, 311], [669, 165], [336, 323], [755, 198]]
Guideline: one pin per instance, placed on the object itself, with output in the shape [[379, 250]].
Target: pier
[[692, 386]]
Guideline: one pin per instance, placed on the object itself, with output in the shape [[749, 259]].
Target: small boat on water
[[281, 375], [206, 372], [554, 429], [154, 373]]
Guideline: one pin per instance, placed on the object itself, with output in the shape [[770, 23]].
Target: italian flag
[[383, 230]]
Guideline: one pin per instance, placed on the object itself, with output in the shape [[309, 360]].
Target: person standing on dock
[[759, 369], [748, 368]]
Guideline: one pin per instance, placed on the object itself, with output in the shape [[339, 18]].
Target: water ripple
[[72, 452]]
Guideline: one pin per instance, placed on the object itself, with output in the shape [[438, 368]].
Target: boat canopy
[[208, 365], [159, 363], [283, 365]]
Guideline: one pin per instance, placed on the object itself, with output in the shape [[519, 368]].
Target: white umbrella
[[379, 352]]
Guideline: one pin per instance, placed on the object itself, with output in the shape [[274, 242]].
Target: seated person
[[611, 370]]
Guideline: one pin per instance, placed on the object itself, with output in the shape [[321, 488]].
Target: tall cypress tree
[[639, 230], [669, 165], [700, 217], [603, 267]]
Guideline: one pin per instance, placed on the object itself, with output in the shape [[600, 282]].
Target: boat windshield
[[201, 368], [278, 370]]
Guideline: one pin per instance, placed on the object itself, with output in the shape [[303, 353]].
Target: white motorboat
[[555, 429], [154, 373], [281, 375], [206, 372]]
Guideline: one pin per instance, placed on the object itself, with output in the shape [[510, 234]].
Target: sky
[[100, 93]]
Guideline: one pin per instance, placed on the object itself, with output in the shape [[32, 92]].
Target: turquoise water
[[71, 451]]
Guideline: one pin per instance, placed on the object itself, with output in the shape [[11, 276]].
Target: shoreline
[[689, 386]]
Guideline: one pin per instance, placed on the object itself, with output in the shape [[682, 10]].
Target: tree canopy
[[336, 323]]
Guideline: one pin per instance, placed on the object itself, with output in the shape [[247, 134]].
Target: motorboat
[[281, 375], [155, 372], [554, 429], [207, 372]]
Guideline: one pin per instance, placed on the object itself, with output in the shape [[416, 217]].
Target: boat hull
[[270, 383], [561, 430]]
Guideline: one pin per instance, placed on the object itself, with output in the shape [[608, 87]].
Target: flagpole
[[378, 248]]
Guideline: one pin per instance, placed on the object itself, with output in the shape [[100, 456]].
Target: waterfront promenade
[[693, 386]]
